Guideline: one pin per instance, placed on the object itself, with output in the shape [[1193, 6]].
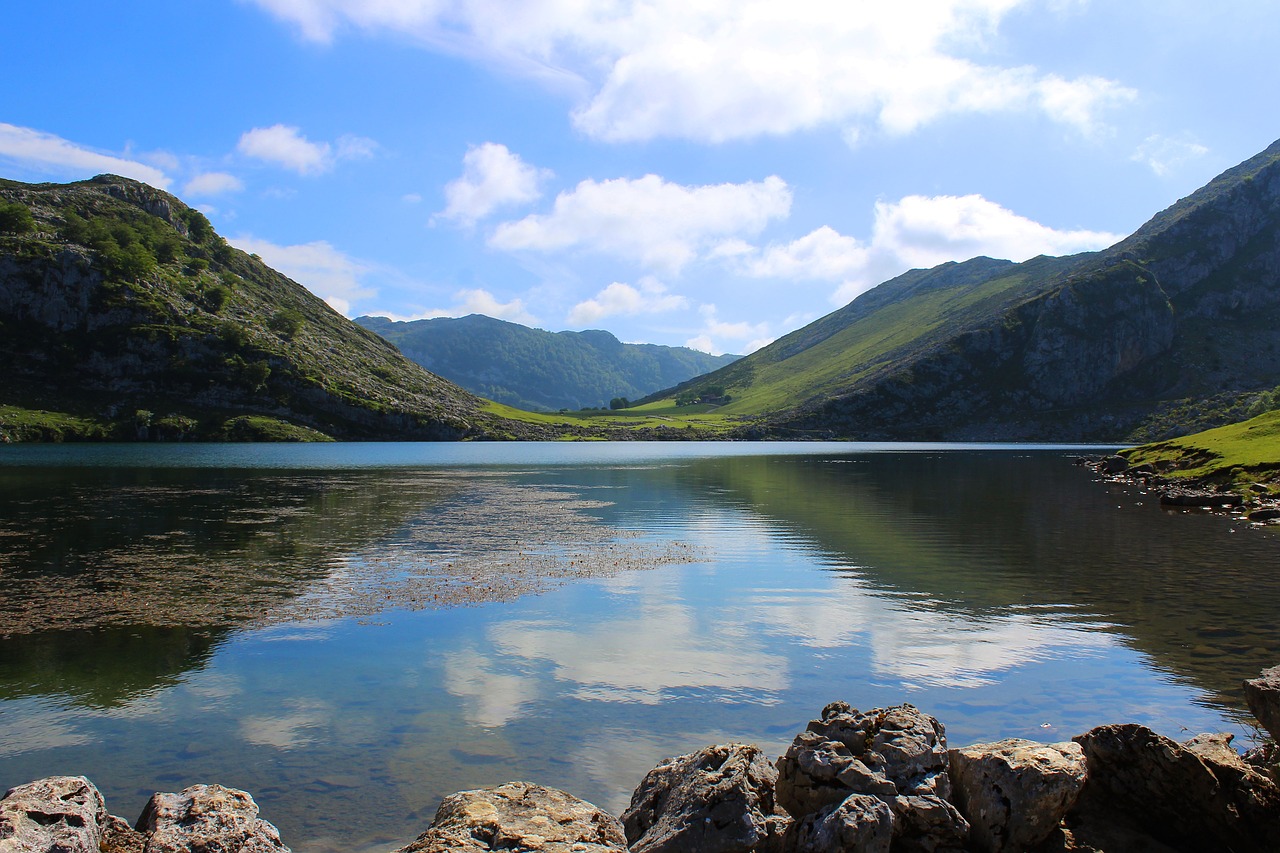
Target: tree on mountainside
[[16, 218]]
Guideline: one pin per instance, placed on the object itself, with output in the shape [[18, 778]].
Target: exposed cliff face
[[123, 307], [1169, 331]]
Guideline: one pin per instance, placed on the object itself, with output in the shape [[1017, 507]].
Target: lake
[[351, 632]]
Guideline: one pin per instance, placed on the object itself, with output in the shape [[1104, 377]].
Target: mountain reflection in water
[[295, 629]]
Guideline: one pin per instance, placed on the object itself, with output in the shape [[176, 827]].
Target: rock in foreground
[[62, 813], [718, 800], [208, 819], [519, 816]]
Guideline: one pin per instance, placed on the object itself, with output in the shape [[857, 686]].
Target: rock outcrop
[[1015, 793], [897, 754], [519, 816], [62, 813], [207, 818], [1263, 695], [718, 800], [1194, 796]]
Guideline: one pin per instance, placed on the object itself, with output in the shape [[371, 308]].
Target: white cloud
[[660, 224], [46, 153], [1164, 154], [821, 254], [476, 301], [286, 146], [728, 69], [714, 331], [618, 298], [212, 183], [336, 278], [492, 177]]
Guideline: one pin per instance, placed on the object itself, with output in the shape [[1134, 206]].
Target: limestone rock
[[1015, 792], [862, 823], [119, 837], [718, 800], [1263, 695], [1192, 797], [887, 751], [925, 823], [519, 816], [207, 819], [61, 813]]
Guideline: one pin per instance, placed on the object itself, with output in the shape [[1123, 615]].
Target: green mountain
[[1172, 330], [539, 370], [124, 316]]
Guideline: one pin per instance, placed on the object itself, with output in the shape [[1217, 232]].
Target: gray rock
[[718, 800], [887, 751], [1263, 695], [927, 824], [862, 823], [60, 814], [207, 819], [1191, 798], [1016, 792], [519, 816]]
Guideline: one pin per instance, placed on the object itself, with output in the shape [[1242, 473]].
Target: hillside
[[1174, 329], [539, 370], [124, 316]]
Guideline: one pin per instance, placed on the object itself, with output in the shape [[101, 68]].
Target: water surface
[[351, 632]]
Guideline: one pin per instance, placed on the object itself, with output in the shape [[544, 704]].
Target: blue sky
[[712, 174]]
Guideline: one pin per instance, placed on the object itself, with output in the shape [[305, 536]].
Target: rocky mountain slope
[[539, 370], [124, 316], [1174, 329]]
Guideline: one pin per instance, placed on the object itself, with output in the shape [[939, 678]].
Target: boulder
[[1192, 797], [1015, 792], [887, 752], [61, 813], [862, 823], [927, 823], [207, 819], [719, 800], [519, 816], [1263, 695]]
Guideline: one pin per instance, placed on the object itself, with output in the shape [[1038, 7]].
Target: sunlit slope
[[875, 333]]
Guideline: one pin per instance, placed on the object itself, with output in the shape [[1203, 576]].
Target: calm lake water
[[351, 632]]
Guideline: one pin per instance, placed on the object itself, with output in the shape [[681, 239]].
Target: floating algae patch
[[218, 549]]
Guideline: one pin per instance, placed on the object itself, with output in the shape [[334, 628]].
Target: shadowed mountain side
[[122, 309], [539, 370], [1175, 329]]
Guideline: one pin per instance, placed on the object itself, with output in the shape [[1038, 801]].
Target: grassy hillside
[[1236, 454], [538, 370], [124, 316]]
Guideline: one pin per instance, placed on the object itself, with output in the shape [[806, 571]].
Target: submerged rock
[[1193, 797], [1014, 792], [519, 816], [61, 813], [207, 819], [718, 800]]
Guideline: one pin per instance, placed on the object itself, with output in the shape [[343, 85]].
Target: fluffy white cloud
[[44, 152], [618, 298], [752, 336], [212, 183], [286, 146], [726, 69], [914, 232], [476, 301], [1164, 154], [660, 224], [336, 278], [492, 177]]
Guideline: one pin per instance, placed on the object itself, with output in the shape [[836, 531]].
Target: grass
[[1236, 455], [663, 414], [19, 424]]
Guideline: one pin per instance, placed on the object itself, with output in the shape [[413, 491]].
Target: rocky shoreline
[[882, 781], [1260, 503]]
